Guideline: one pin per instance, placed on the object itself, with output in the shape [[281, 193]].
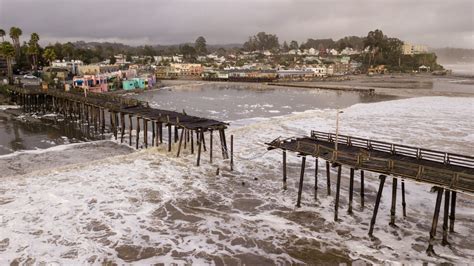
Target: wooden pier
[[325, 87], [102, 112], [447, 172]]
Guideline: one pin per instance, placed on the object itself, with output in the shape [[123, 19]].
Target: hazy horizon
[[435, 23]]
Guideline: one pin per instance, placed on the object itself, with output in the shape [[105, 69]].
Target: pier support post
[[199, 143], [160, 131], [328, 176], [404, 204], [180, 142], [122, 132], [453, 210], [176, 133], [338, 190], [130, 122], [116, 122], [210, 146], [231, 151], [191, 133], [377, 203], [169, 137], [300, 188], [434, 224], [284, 170], [351, 190], [394, 201], [362, 188], [153, 134], [102, 111], [316, 178], [145, 132], [138, 132], [445, 218]]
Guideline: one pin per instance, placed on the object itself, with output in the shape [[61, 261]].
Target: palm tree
[[2, 34], [15, 34], [7, 51], [33, 49], [49, 55]]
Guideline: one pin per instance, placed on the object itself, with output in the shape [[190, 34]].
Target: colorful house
[[94, 83], [135, 83]]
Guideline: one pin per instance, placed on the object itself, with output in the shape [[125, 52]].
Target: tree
[[15, 34], [374, 42], [2, 34], [33, 49], [262, 41], [285, 47], [200, 46], [188, 52], [112, 60], [49, 54], [294, 45], [8, 51]]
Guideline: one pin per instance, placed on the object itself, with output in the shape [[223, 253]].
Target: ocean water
[[151, 207]]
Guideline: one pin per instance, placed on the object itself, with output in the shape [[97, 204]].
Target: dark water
[[233, 102], [29, 133], [218, 102]]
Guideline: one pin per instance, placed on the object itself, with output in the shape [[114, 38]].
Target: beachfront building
[[59, 73], [97, 69], [411, 49], [93, 83], [135, 83], [72, 66], [187, 70], [295, 74]]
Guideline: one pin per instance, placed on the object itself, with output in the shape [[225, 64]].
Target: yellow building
[[409, 49]]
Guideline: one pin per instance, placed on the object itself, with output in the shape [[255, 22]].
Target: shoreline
[[398, 85]]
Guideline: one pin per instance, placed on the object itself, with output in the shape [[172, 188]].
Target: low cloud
[[435, 23]]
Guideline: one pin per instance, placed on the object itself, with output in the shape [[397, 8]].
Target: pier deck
[[449, 173], [96, 110]]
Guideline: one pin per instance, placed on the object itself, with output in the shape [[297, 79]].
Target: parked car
[[29, 76]]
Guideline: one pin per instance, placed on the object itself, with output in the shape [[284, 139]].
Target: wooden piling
[[192, 141], [169, 137], [351, 190], [338, 188], [434, 224], [394, 201], [122, 132], [328, 176], [210, 145], [284, 170], [316, 178], [445, 218], [362, 188], [453, 210], [130, 122], [199, 150], [300, 187], [404, 205], [138, 133], [145, 132], [160, 131], [153, 133], [377, 203], [180, 142], [231, 152]]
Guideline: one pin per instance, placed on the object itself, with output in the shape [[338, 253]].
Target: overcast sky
[[436, 23]]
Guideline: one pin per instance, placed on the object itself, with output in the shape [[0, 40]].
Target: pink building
[[94, 83]]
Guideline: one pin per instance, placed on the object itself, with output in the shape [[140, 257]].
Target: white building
[[72, 66]]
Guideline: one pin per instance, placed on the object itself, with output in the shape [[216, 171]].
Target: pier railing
[[397, 149]]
